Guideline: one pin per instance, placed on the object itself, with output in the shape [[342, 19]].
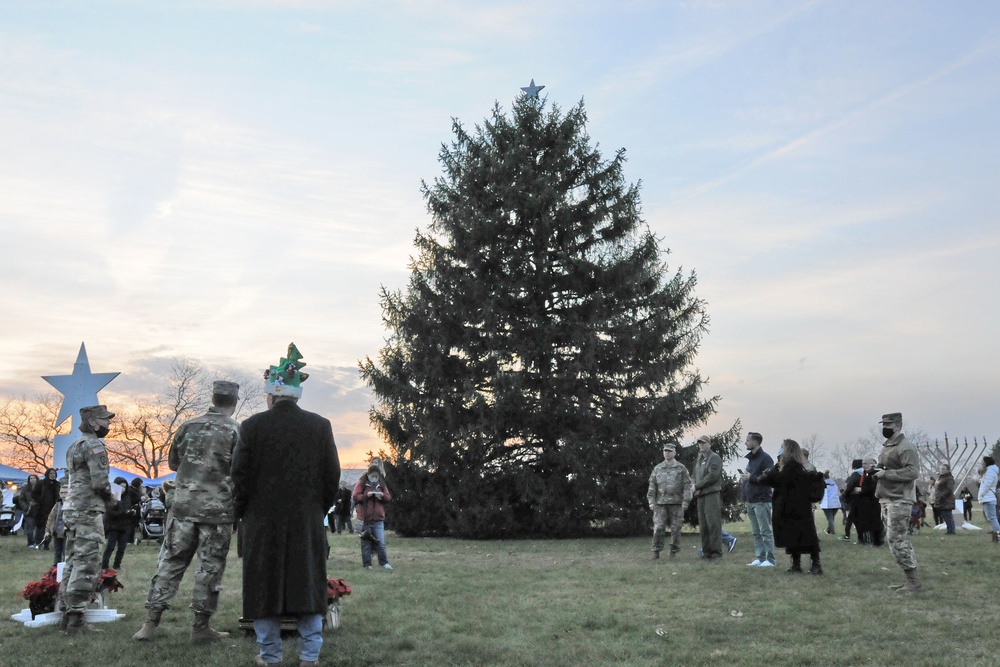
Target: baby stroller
[[10, 520], [154, 519]]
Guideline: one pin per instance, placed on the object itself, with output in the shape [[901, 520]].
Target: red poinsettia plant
[[41, 595], [109, 581], [336, 588]]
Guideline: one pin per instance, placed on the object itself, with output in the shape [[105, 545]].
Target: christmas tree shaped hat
[[286, 378]]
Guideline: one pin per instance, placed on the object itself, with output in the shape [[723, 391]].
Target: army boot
[[76, 624], [148, 629], [201, 633], [996, 537], [912, 584]]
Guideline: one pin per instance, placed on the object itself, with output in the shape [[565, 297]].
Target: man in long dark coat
[[285, 473]]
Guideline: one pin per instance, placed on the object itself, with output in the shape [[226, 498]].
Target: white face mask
[[373, 478]]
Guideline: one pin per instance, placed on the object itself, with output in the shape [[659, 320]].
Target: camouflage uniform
[[896, 493], [201, 514], [83, 514], [669, 495]]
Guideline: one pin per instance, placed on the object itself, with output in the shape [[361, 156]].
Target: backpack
[[817, 487]]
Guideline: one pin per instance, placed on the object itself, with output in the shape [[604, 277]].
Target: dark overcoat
[[791, 511], [285, 477]]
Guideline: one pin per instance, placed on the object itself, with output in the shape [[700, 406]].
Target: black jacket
[[791, 509], [758, 463], [46, 494], [285, 476]]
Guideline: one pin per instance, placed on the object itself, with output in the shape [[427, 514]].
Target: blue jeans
[[268, 631], [949, 521], [990, 510], [377, 529], [760, 526]]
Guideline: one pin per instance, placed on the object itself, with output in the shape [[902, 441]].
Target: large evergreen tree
[[542, 351]]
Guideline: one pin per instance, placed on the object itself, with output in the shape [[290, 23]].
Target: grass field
[[574, 602]]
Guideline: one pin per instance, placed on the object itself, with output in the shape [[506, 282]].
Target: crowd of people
[[275, 477], [878, 500]]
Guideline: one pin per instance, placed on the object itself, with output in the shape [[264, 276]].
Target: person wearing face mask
[[370, 496], [89, 497], [897, 472]]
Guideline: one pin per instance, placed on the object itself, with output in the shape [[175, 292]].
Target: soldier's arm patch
[[97, 449]]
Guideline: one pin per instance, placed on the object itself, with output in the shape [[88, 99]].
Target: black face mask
[[102, 431], [887, 432]]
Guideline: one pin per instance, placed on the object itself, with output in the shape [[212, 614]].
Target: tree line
[[142, 430]]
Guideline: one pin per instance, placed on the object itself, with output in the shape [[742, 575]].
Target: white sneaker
[[767, 563], [756, 561], [387, 566]]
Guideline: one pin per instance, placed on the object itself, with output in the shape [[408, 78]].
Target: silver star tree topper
[[531, 91]]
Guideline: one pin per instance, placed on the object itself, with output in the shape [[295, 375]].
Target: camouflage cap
[[892, 418], [704, 438], [671, 446], [95, 412], [226, 388]]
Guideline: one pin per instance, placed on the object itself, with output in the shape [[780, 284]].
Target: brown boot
[[201, 633], [912, 584], [76, 625], [148, 629]]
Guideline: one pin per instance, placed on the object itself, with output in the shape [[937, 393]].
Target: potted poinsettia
[[335, 589], [41, 595]]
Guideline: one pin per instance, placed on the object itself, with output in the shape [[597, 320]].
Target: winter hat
[[285, 379]]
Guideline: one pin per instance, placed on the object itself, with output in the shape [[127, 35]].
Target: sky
[[212, 179]]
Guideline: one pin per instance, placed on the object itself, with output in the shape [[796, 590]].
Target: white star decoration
[[531, 91], [79, 390]]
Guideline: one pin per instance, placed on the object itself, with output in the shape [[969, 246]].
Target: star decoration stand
[[79, 390]]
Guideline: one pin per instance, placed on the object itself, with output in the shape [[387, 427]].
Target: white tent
[[8, 474], [114, 473]]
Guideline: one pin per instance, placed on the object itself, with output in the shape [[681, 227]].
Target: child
[[55, 529]]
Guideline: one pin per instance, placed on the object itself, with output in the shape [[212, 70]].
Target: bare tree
[[141, 434], [818, 453], [27, 434], [866, 445]]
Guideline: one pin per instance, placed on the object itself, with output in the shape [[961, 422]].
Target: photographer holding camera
[[370, 496]]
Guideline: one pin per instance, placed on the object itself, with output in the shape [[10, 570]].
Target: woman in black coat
[[46, 494], [791, 509]]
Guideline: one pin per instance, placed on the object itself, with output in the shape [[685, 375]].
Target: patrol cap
[[672, 446], [226, 388], [95, 412], [704, 438], [892, 418]]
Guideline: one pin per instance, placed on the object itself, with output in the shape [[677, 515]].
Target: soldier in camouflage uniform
[[83, 512], [201, 515], [669, 495], [898, 469]]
